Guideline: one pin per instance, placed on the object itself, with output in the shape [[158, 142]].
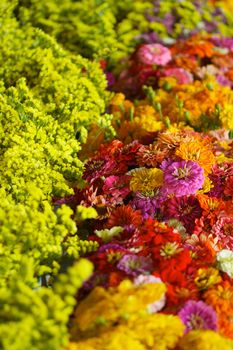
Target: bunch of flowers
[[151, 209], [194, 58], [164, 214]]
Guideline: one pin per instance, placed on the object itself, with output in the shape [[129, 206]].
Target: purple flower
[[135, 265], [147, 203], [182, 177], [198, 315], [223, 80], [223, 42]]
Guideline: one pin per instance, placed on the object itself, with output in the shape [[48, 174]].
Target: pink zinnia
[[182, 76], [116, 188], [154, 54], [223, 229], [182, 177], [198, 315]]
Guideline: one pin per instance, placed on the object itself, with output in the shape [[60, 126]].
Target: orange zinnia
[[221, 298], [198, 152]]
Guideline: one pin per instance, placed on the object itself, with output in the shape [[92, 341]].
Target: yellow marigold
[[155, 331], [226, 116], [120, 338], [198, 152], [146, 180], [148, 124], [158, 331], [206, 278], [102, 308], [204, 340], [177, 127], [118, 99]]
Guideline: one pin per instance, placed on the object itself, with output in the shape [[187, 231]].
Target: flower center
[[187, 210], [196, 322], [156, 50], [170, 249], [97, 164], [114, 256], [181, 173]]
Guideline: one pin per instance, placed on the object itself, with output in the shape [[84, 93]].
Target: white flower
[[225, 261]]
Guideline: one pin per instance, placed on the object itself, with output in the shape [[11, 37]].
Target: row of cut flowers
[[162, 196]]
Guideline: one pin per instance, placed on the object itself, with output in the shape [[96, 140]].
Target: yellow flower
[[146, 180], [148, 124], [204, 340], [118, 99], [102, 308], [206, 186], [158, 331], [206, 278], [155, 331], [226, 116]]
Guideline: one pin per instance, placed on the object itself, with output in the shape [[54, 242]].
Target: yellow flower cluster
[[156, 331], [103, 308]]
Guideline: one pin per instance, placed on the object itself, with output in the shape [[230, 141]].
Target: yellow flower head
[[146, 180], [206, 278]]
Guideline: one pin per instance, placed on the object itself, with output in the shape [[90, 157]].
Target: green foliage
[[93, 28], [97, 28], [36, 318]]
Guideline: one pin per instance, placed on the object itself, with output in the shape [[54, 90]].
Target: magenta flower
[[186, 209], [97, 167], [116, 188], [135, 265], [154, 54], [182, 177], [198, 315], [147, 203]]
